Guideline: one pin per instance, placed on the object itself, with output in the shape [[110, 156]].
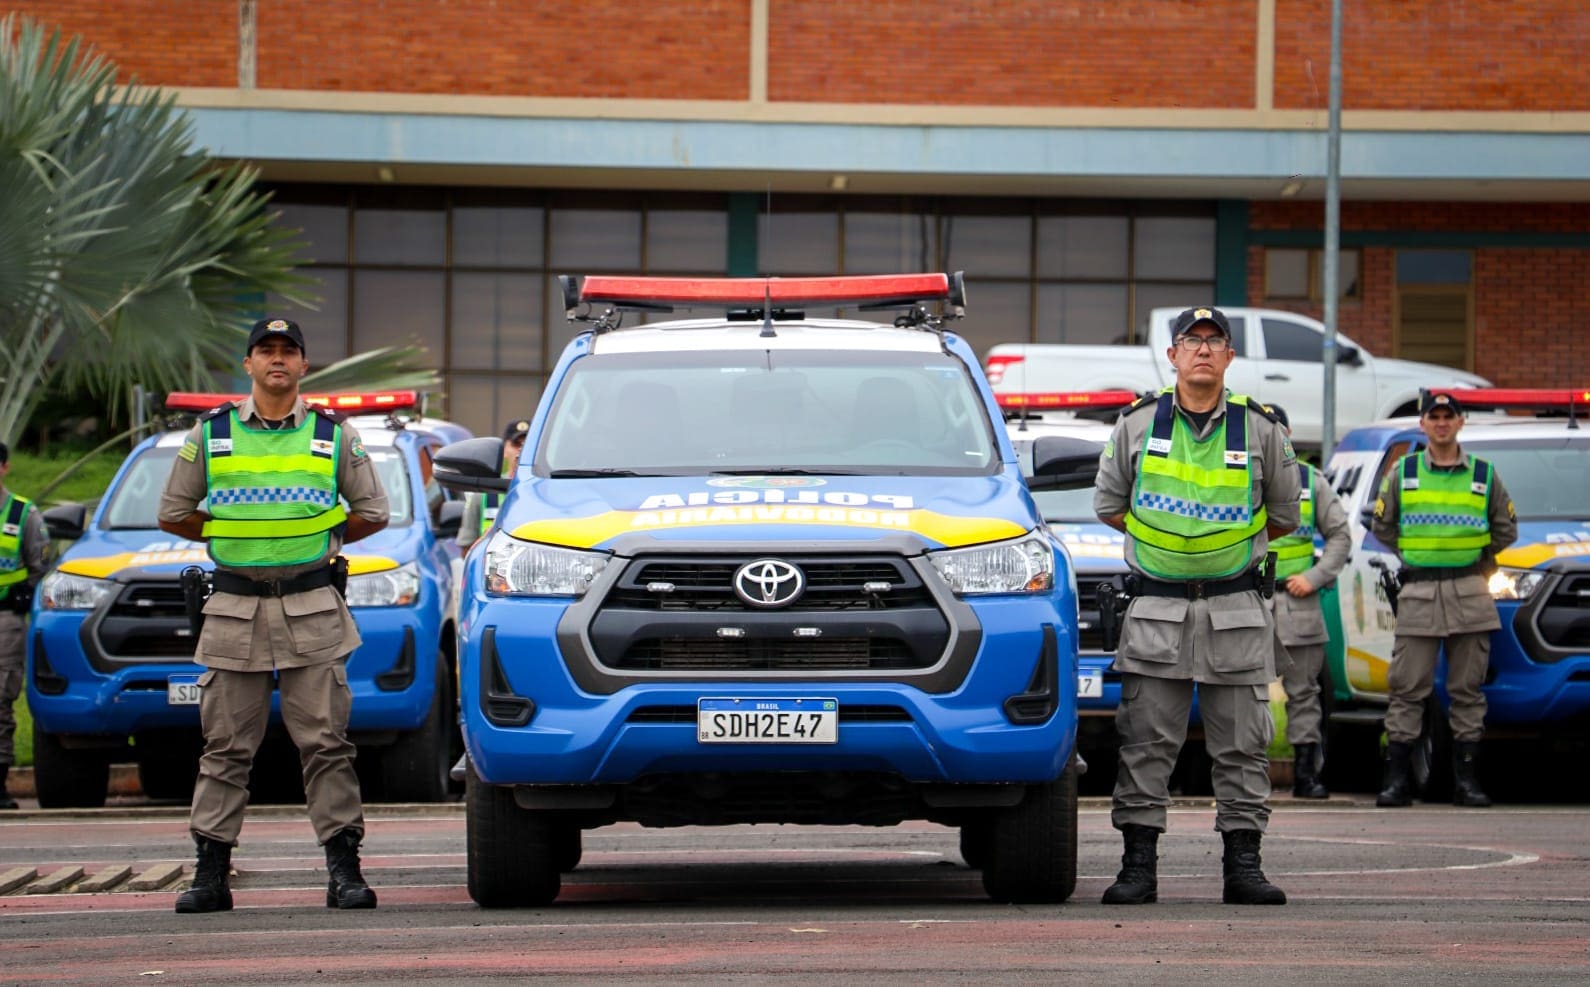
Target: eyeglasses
[[1216, 344]]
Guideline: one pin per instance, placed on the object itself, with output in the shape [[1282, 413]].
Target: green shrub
[[31, 471]]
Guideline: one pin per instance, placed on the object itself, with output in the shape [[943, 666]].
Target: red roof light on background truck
[[1517, 397], [997, 365], [351, 403]]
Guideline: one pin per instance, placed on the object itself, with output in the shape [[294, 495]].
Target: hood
[[1094, 548], [1541, 543], [151, 552], [938, 511], [1428, 374]]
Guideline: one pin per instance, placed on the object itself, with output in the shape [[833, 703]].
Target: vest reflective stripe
[[1443, 520], [272, 493], [488, 510], [12, 568], [1295, 553], [1192, 514]]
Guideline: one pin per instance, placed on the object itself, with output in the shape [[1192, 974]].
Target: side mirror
[[1350, 355], [471, 465], [449, 519], [1060, 462], [65, 521]]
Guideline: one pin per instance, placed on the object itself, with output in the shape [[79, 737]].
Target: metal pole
[[1333, 168]]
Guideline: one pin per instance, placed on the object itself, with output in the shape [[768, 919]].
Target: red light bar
[[902, 288], [351, 402], [1516, 397], [997, 365], [1065, 400]]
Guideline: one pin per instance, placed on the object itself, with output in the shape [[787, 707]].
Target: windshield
[[1547, 478], [135, 503], [674, 414]]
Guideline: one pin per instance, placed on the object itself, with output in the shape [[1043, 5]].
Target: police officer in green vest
[[1299, 577], [1446, 515], [480, 509], [22, 548], [275, 476], [1199, 479]]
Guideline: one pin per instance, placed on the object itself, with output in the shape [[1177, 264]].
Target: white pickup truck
[[1279, 359]]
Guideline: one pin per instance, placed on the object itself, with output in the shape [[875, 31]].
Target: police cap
[[1194, 316], [276, 328], [516, 429], [1428, 402]]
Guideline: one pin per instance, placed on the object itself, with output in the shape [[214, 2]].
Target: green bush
[[24, 740]]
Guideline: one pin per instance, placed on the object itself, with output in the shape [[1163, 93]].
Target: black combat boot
[[1138, 882], [1397, 788], [1305, 773], [346, 887], [1465, 785], [209, 891], [1245, 883], [6, 801]]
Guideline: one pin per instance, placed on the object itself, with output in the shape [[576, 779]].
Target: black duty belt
[[1436, 573], [1200, 589], [227, 582]]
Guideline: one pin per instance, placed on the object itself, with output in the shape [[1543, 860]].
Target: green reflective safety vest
[[1443, 521], [1294, 554], [489, 502], [13, 569], [1192, 514], [272, 494]]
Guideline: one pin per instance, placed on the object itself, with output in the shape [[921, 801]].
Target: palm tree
[[126, 256]]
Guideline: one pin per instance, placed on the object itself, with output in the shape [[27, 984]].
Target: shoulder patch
[[217, 411], [1109, 448], [189, 451], [357, 448]]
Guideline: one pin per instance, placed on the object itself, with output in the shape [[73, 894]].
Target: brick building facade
[[1082, 160]]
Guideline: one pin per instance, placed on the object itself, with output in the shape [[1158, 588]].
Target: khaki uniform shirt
[[1299, 620], [1226, 640], [1447, 606], [262, 633]]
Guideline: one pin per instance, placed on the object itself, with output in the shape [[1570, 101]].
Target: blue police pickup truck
[[769, 566], [1538, 685], [111, 676]]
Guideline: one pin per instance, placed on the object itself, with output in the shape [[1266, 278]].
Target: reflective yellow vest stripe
[[12, 568], [1443, 518], [1295, 553], [1192, 514], [272, 493]]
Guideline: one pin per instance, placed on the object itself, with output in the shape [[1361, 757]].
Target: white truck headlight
[[65, 591], [390, 588], [523, 568], [1508, 583], [1024, 565]]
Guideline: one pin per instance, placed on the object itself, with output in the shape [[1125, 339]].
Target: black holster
[[197, 584], [1113, 602], [19, 599], [1266, 577], [1390, 583], [339, 575]]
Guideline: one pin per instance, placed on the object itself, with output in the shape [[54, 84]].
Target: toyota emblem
[[769, 583]]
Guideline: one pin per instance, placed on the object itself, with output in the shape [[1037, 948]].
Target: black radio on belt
[[196, 588]]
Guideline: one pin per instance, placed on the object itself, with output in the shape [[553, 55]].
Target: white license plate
[[182, 692], [1090, 685], [767, 721]]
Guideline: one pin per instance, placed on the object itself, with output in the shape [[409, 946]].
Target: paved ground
[[1422, 895]]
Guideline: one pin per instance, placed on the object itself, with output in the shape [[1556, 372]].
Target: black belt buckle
[[1195, 588], [268, 587]]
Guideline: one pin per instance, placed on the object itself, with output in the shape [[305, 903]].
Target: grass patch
[[24, 738], [31, 471]]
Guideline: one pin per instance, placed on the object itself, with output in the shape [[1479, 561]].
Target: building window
[[1298, 274]]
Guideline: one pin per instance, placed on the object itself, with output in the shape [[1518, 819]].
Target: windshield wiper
[[588, 474], [787, 471]]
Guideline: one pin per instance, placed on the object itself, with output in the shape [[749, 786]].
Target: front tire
[[68, 778], [512, 853], [416, 767], [1033, 853]]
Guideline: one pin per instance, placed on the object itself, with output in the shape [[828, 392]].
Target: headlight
[[392, 588], [1025, 565], [1515, 584], [65, 591], [522, 568]]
